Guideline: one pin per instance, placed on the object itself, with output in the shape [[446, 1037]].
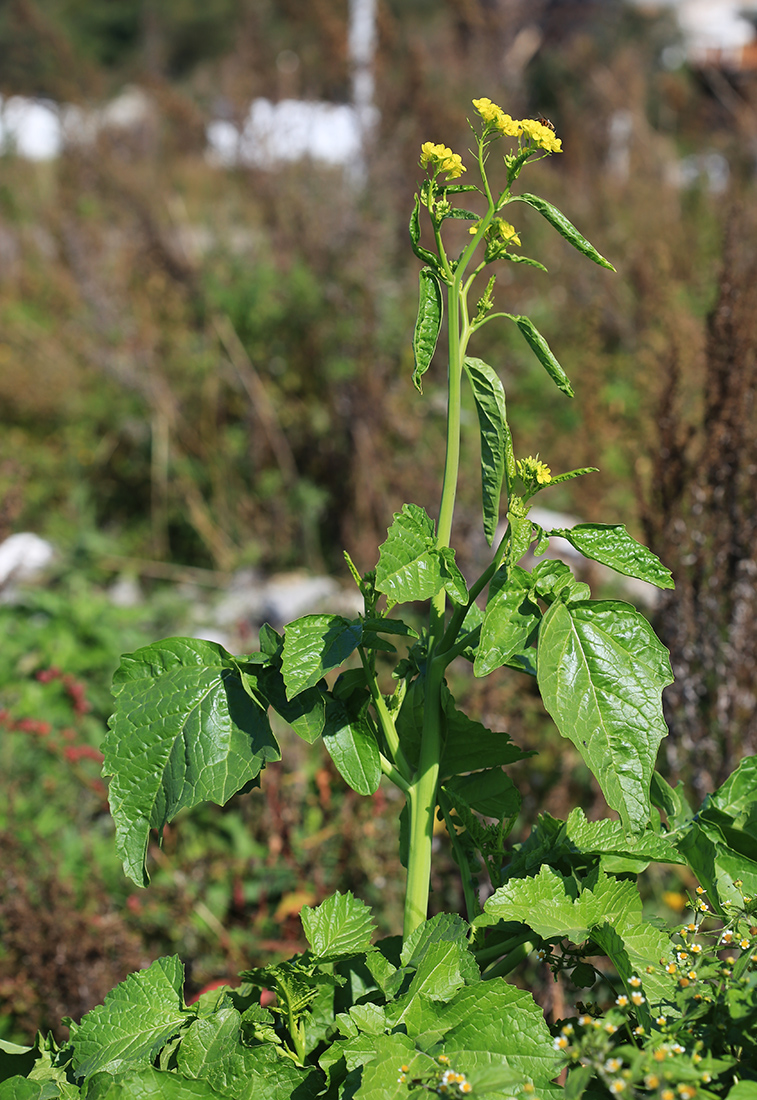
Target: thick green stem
[[422, 803], [386, 721]]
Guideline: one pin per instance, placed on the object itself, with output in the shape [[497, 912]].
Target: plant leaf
[[608, 838], [601, 671], [306, 713], [427, 324], [415, 236], [408, 567], [185, 730], [153, 1084], [313, 646], [452, 578], [610, 544], [491, 793], [543, 353], [136, 1019], [565, 228], [340, 925], [510, 619], [497, 457], [469, 744], [352, 746]]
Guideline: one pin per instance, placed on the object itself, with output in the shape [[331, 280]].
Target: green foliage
[[434, 1012]]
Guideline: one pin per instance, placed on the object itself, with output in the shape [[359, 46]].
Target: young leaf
[[305, 714], [313, 645], [527, 260], [184, 730], [352, 746], [408, 567], [136, 1019], [427, 324], [491, 793], [452, 578], [497, 458], [444, 927], [543, 353], [610, 544], [341, 925], [601, 674], [565, 228], [509, 621]]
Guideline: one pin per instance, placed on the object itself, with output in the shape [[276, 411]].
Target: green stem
[[386, 721], [392, 773], [511, 960]]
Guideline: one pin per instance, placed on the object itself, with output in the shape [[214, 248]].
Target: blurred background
[[207, 297]]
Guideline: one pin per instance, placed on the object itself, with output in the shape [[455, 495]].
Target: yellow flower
[[617, 1086], [635, 981], [534, 470], [638, 998], [651, 1080], [496, 119], [541, 135], [440, 158]]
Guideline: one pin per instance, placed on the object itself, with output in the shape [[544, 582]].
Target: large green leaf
[[610, 544], [352, 745], [738, 795], [185, 730], [565, 228], [497, 458], [511, 617], [341, 925], [408, 566], [314, 645], [441, 928], [306, 713], [609, 838], [381, 1059], [601, 671], [153, 1084], [490, 793], [137, 1018], [212, 1052]]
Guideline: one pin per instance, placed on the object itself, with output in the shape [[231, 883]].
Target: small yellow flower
[[533, 470], [696, 949], [584, 1021], [440, 158], [651, 1080], [678, 1049], [617, 1086], [744, 944], [702, 906], [700, 890], [638, 998], [667, 1094], [465, 1086], [660, 1055], [621, 1001], [692, 975], [634, 981], [612, 1065], [639, 1030], [686, 1092], [610, 1029], [560, 1043], [661, 1021], [671, 968], [682, 956], [541, 135], [727, 937]]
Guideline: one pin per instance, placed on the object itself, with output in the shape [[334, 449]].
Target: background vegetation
[[148, 299]]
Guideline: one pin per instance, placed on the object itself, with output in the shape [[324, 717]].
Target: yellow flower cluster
[[537, 132], [499, 230], [534, 470], [441, 159]]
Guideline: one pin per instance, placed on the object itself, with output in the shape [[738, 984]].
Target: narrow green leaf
[[313, 646], [390, 626], [527, 260], [184, 731], [427, 324], [452, 578], [415, 236], [510, 619], [462, 215], [340, 925], [601, 675], [352, 746], [497, 457], [610, 544], [543, 353], [569, 475], [565, 228], [408, 568], [136, 1019]]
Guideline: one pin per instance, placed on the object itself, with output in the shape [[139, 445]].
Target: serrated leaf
[[490, 793], [20, 1088], [544, 903], [184, 731], [565, 228], [469, 744], [136, 1019], [341, 925], [212, 1052], [442, 928], [527, 260], [443, 969], [601, 671], [352, 745], [610, 544], [504, 1026], [543, 353], [408, 568], [510, 619], [380, 1057], [313, 646], [427, 324], [497, 458], [152, 1084], [608, 837]]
